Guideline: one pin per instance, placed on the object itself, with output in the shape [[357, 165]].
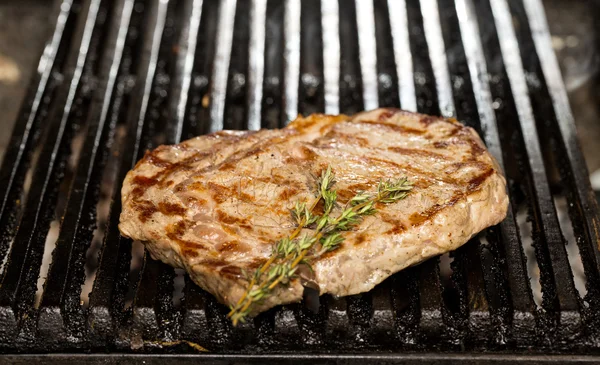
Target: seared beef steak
[[214, 205]]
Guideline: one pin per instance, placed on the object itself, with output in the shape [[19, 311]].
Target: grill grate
[[165, 71]]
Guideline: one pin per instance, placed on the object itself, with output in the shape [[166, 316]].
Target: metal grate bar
[[382, 318], [467, 279], [402, 54], [588, 208], [463, 311], [387, 77], [510, 251], [273, 114], [291, 58], [440, 319], [108, 294], [382, 321], [180, 91], [330, 23], [26, 133], [410, 358], [63, 283], [286, 327], [236, 98], [365, 22], [152, 304], [424, 78], [437, 56], [357, 63], [546, 227], [311, 99], [351, 97], [431, 321], [18, 283], [197, 116], [153, 315], [194, 301], [558, 165], [405, 303], [185, 66], [221, 64], [145, 321], [219, 324], [311, 92], [360, 313], [264, 325], [519, 285], [479, 307], [194, 314], [256, 67], [583, 206]]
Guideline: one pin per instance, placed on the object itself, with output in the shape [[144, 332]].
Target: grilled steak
[[214, 205]]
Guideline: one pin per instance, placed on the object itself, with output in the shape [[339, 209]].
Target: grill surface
[[126, 75]]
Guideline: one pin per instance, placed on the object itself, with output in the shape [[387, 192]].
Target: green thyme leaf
[[289, 252]]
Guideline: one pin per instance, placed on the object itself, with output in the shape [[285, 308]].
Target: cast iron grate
[[126, 75]]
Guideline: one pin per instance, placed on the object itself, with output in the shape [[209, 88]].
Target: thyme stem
[[290, 252], [324, 184]]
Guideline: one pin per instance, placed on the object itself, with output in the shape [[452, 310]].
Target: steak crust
[[215, 204]]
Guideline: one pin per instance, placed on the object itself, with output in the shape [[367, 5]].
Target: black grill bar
[[194, 314], [197, 116], [558, 286], [147, 296], [403, 58], [18, 286], [480, 309], [437, 56], [521, 300], [519, 285], [272, 103], [351, 98], [365, 23], [432, 320], [387, 72], [108, 295], [330, 24], [187, 50], [63, 287], [26, 132], [468, 281], [443, 358], [291, 59], [510, 251], [152, 304], [310, 93], [256, 62], [220, 67], [236, 96], [424, 80], [311, 99], [196, 120], [571, 163], [436, 322], [405, 303], [443, 35], [170, 70]]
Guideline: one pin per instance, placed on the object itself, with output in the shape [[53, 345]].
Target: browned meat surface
[[214, 205]]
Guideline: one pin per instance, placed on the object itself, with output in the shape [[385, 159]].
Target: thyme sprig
[[290, 252]]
